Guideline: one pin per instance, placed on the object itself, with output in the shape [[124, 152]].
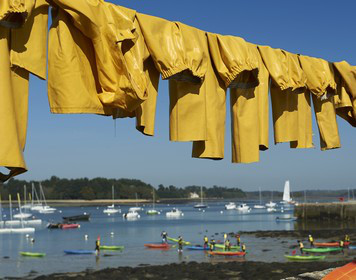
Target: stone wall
[[345, 211]]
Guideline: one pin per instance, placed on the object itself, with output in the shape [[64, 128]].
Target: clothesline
[[106, 59]]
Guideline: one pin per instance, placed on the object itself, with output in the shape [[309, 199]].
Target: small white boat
[[271, 204], [24, 222], [271, 209], [243, 207], [131, 215], [230, 206], [200, 205], [111, 208], [174, 213], [47, 210], [135, 209], [22, 216], [260, 206]]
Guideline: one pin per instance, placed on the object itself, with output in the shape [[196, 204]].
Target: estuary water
[[213, 221]]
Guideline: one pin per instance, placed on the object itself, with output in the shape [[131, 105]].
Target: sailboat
[[43, 209], [153, 211], [286, 194], [22, 215], [201, 204], [259, 206], [136, 208], [111, 208], [271, 204]]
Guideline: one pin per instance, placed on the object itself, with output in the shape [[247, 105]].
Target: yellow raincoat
[[345, 100], [321, 83], [237, 63], [22, 51], [120, 83], [290, 98]]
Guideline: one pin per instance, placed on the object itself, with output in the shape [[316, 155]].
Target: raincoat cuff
[[166, 74], [232, 81], [13, 13]]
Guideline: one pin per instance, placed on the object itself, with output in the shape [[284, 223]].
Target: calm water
[[133, 234]]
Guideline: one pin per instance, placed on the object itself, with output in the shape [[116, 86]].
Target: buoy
[[85, 213], [112, 233], [78, 226], [32, 240], [27, 235], [203, 211], [97, 207], [221, 212], [60, 211], [86, 237]]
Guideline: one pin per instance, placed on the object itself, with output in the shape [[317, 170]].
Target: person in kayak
[[243, 247], [301, 246], [97, 245], [212, 244], [347, 238], [227, 245], [225, 237], [180, 244], [311, 240], [164, 236], [238, 239], [342, 245], [206, 242]]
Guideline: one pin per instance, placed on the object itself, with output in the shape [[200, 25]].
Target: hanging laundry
[[321, 83]]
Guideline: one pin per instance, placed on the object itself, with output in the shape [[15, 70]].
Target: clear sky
[[76, 146]]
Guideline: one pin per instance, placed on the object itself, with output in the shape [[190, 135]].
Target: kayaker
[[301, 246], [311, 240], [225, 237], [342, 245], [227, 245], [164, 236], [97, 245], [206, 242], [212, 244], [243, 247], [238, 239], [180, 244], [347, 238]]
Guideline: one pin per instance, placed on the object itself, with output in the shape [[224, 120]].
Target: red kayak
[[68, 226], [227, 253], [330, 244], [157, 246]]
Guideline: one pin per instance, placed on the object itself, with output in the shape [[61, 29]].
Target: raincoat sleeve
[[233, 60], [345, 99], [291, 107], [13, 111], [249, 116], [122, 85], [13, 13], [321, 83]]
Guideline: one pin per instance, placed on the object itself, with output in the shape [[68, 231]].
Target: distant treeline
[[100, 188]]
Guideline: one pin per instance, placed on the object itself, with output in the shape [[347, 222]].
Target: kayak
[[79, 252], [176, 240], [222, 246], [345, 272], [330, 244], [227, 253], [157, 246], [198, 248], [305, 258], [111, 248], [69, 226], [32, 254], [352, 247], [322, 250]]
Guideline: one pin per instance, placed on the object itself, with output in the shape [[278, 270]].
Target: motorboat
[[131, 215], [271, 204], [82, 217], [271, 209], [243, 207], [174, 213], [230, 206]]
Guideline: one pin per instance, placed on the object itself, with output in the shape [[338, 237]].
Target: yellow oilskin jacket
[[321, 83], [22, 51], [290, 98], [237, 64], [120, 83], [346, 97]]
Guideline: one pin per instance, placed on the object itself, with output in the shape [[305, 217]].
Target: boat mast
[[18, 201], [10, 209], [201, 195], [0, 210], [153, 189], [32, 195], [43, 196], [112, 190], [260, 196]]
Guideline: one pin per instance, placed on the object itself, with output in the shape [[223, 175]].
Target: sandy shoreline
[[224, 270]]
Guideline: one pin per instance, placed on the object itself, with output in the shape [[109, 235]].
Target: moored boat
[[330, 244], [83, 217], [32, 254], [304, 258], [322, 250], [230, 206]]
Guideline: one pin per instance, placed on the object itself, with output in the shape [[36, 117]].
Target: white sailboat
[[136, 208], [201, 204], [153, 211], [286, 194], [43, 209], [259, 206], [230, 206], [111, 208], [271, 204]]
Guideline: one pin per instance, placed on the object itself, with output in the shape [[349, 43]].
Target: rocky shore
[[237, 270]]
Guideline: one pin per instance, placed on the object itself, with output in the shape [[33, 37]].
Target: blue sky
[[76, 146]]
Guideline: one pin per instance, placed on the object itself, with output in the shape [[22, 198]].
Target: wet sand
[[192, 270]]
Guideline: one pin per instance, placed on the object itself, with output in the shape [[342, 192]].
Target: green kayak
[[321, 250], [32, 254], [222, 246], [305, 258], [176, 240], [111, 248]]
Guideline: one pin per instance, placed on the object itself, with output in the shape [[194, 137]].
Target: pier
[[338, 211]]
